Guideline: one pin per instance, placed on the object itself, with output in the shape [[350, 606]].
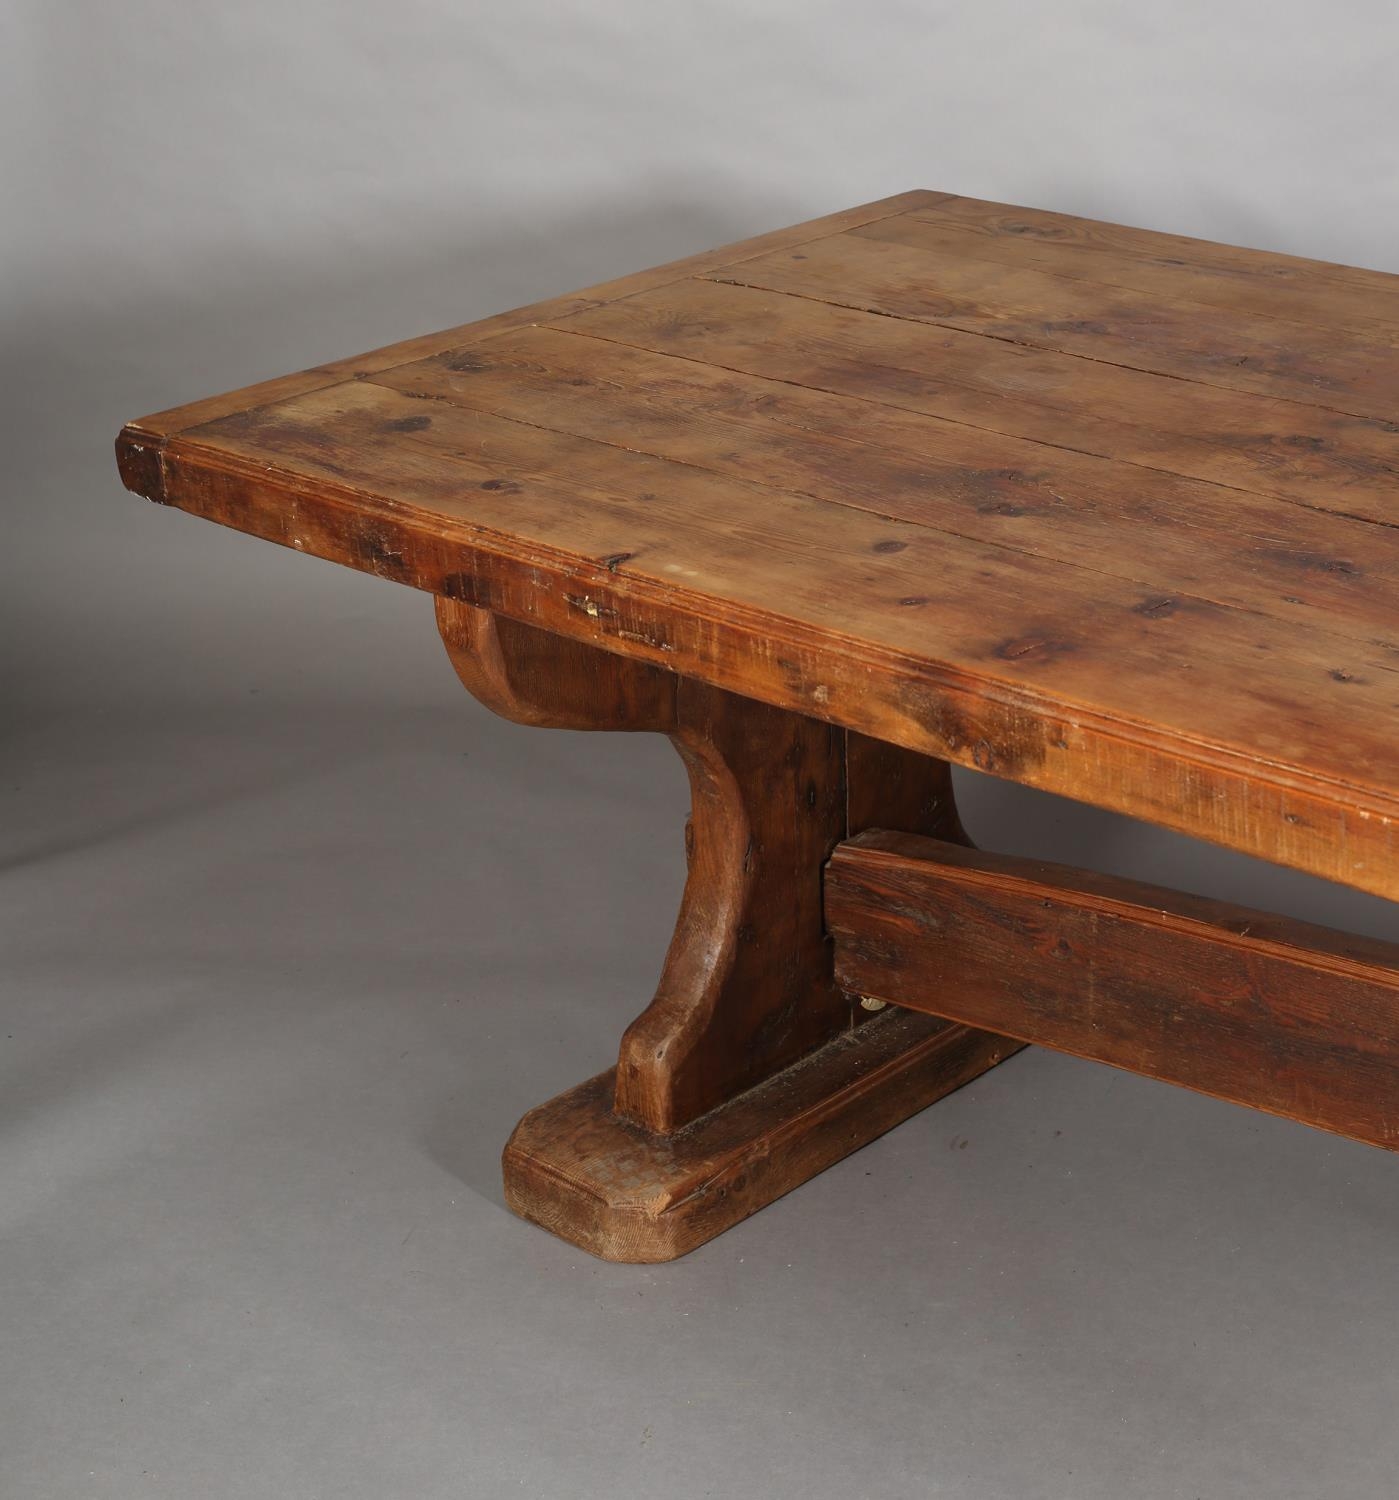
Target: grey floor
[[291, 932]]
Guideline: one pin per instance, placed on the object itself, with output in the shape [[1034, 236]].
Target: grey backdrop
[[293, 931]]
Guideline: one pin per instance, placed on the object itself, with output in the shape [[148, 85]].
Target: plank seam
[[560, 327], [462, 404], [1025, 343]]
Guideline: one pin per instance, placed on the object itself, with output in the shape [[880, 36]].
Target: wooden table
[[1103, 511]]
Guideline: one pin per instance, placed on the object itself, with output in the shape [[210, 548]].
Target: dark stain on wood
[[1157, 609], [467, 362], [1033, 648]]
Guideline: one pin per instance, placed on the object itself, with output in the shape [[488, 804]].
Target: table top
[[1106, 511]]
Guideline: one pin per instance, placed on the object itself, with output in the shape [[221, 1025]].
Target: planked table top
[[1105, 511]]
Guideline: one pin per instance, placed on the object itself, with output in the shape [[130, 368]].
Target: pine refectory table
[[1108, 512]]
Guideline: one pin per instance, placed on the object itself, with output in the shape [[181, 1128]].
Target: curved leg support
[[750, 1070]]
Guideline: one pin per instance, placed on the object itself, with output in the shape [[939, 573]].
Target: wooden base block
[[624, 1194]]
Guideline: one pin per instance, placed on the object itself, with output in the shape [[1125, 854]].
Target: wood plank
[[281, 388], [1166, 597], [792, 554], [1053, 676], [1208, 257], [1322, 459], [1299, 362], [1216, 275], [1267, 1012], [1142, 525]]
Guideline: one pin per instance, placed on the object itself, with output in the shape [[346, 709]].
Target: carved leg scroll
[[751, 1070]]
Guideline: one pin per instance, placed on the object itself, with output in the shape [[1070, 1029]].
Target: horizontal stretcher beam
[[1259, 1009]]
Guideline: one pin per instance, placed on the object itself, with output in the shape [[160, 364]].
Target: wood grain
[[1315, 457], [999, 660], [747, 987], [1259, 1009], [1162, 531], [1288, 286], [1099, 510], [584, 1173], [1076, 542], [895, 276], [746, 1074]]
